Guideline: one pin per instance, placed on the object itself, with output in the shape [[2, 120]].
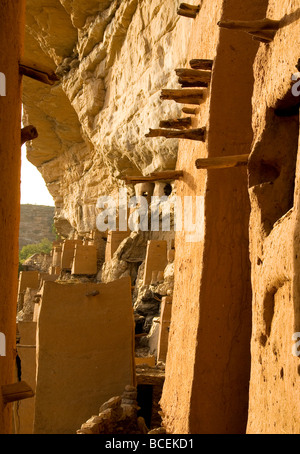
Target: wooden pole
[[222, 162], [201, 64], [255, 25], [265, 35], [184, 96], [188, 7], [261, 30], [28, 133], [179, 123], [166, 175], [190, 14], [187, 10], [186, 84], [16, 391], [42, 74], [256, 38], [190, 134], [193, 75], [189, 110]]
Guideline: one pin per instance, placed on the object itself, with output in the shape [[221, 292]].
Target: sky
[[33, 187]]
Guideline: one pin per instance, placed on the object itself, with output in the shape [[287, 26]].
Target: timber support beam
[[16, 391], [188, 10], [179, 123], [184, 96], [262, 30], [42, 74], [28, 133], [190, 134], [222, 162], [166, 175], [193, 76], [204, 64]]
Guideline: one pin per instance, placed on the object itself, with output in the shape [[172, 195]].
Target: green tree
[[27, 251], [54, 231]]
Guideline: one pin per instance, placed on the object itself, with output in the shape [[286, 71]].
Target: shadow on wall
[[290, 18], [272, 168]]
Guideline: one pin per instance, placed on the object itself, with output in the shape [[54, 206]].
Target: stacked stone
[[119, 415]]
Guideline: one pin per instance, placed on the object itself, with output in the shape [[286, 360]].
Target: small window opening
[[168, 189]]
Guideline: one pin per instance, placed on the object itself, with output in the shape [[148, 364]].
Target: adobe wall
[[274, 405], [85, 342], [24, 410], [208, 361], [11, 24]]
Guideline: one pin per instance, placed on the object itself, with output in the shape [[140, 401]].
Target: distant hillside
[[35, 224]]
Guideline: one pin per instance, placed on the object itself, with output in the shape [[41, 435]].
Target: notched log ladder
[[42, 74], [187, 10], [262, 30], [222, 162]]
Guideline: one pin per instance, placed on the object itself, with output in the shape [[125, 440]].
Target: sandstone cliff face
[[113, 57]]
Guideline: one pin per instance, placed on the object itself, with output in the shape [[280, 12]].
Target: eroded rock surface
[[92, 124]]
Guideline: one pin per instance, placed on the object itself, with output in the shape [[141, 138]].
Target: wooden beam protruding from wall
[[202, 63], [264, 36], [189, 134], [193, 76], [165, 175], [16, 391], [264, 29], [179, 123], [186, 84], [262, 40], [28, 133], [222, 162], [184, 96], [189, 110], [262, 24], [188, 10], [42, 74]]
